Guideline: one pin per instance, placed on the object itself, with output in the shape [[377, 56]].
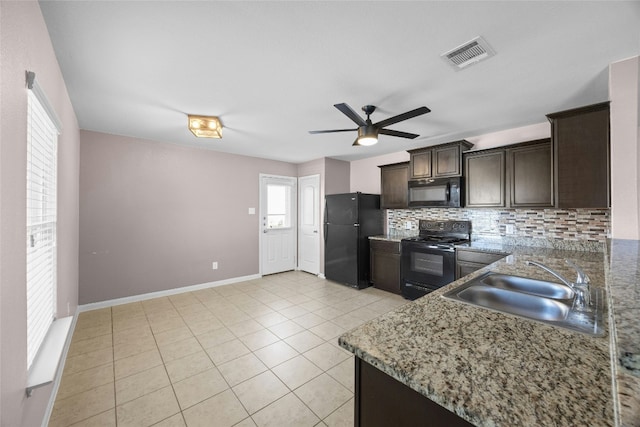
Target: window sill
[[44, 367]]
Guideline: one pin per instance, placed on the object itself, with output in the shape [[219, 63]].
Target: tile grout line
[[242, 299]]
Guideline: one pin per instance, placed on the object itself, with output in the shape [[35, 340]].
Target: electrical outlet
[[510, 229], [407, 225], [214, 265], [68, 308]]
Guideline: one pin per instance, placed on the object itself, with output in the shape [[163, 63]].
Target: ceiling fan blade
[[356, 143], [398, 133], [331, 131], [404, 116], [348, 111]]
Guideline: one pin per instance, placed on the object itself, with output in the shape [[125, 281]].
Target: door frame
[[294, 217]]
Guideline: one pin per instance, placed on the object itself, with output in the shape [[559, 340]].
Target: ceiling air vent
[[468, 53]]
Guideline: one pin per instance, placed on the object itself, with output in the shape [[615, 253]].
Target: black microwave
[[437, 193]]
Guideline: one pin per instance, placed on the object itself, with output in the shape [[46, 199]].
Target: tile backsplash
[[572, 224]]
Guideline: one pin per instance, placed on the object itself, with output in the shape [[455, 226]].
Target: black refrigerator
[[349, 220]]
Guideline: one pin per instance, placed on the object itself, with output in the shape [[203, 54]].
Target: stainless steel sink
[[538, 300], [517, 303], [529, 286]]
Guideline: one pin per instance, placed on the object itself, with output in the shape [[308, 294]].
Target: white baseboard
[[168, 292]]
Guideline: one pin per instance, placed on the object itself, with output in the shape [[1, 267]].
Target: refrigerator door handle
[[326, 226]]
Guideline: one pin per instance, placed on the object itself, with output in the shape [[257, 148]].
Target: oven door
[[425, 268]]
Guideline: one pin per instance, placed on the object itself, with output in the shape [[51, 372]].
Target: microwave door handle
[[447, 192]]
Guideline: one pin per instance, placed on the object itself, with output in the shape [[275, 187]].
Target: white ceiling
[[273, 70]]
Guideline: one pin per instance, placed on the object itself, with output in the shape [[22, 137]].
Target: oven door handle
[[441, 248]]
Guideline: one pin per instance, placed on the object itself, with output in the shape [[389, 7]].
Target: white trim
[[34, 86], [58, 377], [46, 363], [322, 276], [168, 292]]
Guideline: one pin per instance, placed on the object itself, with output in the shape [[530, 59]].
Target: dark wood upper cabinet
[[393, 183], [530, 175], [420, 164], [484, 179], [438, 161], [582, 160], [514, 176]]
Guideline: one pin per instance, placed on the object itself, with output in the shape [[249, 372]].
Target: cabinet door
[[382, 401], [485, 179], [469, 261], [421, 164], [394, 186], [447, 161], [581, 144], [464, 268], [385, 265], [385, 271], [531, 175]]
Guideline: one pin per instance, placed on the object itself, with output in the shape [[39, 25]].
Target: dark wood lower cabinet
[[468, 261], [385, 265], [382, 401]]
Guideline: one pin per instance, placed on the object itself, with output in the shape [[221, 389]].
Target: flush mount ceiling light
[[205, 126]]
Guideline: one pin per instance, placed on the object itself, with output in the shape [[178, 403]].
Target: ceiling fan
[[367, 131]]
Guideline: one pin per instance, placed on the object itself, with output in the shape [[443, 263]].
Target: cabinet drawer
[[478, 257], [385, 246]]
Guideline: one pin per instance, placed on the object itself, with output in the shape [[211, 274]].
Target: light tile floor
[[257, 353]]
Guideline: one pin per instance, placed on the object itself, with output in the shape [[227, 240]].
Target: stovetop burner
[[443, 232], [438, 239]]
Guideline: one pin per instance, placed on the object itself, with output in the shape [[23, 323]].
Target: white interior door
[[309, 224], [278, 225]]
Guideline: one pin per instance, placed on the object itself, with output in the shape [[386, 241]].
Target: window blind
[[42, 147]]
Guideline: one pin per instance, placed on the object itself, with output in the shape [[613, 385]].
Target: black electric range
[[427, 261]]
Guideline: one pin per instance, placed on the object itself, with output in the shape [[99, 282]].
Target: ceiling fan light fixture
[[367, 136], [205, 126]]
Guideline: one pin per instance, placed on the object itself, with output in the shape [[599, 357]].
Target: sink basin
[[538, 300], [529, 286], [518, 303]]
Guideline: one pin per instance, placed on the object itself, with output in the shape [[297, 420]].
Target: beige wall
[[336, 176], [154, 216], [624, 90], [365, 174], [25, 45]]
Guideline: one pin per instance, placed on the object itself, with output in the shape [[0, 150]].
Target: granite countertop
[[494, 369], [395, 235]]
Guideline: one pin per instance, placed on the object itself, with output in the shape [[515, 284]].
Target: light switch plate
[[252, 211]]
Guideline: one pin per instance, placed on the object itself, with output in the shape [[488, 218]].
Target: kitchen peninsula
[[493, 369]]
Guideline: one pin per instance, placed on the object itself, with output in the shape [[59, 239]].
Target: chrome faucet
[[580, 287], [582, 278]]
